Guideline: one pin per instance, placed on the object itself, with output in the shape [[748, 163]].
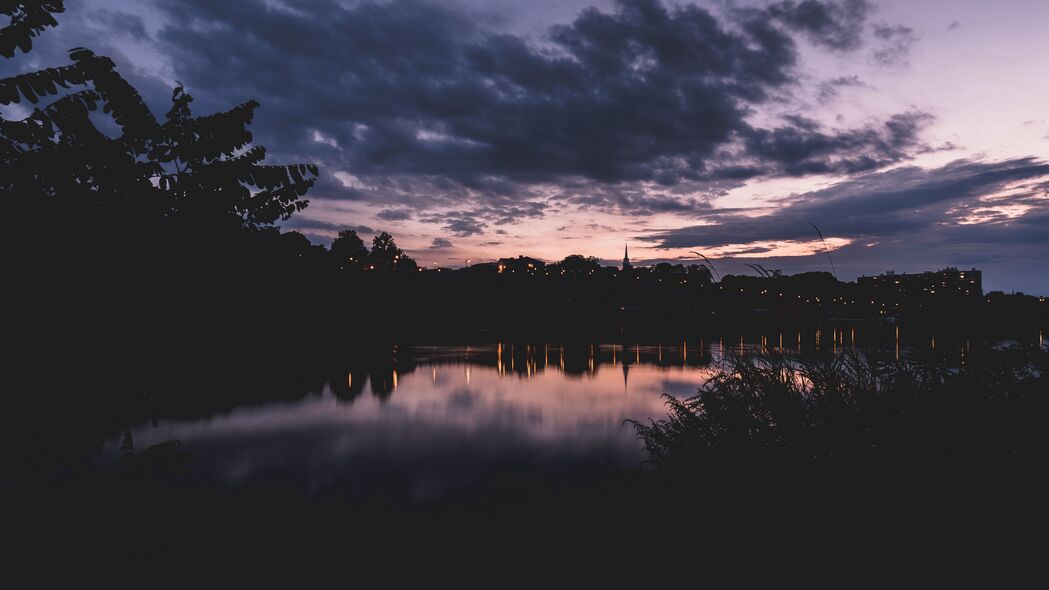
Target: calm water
[[457, 415], [428, 421]]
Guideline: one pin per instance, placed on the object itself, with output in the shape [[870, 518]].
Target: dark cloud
[[835, 25], [430, 111], [440, 244], [301, 222], [805, 147], [644, 109], [394, 214], [631, 200], [493, 211], [894, 43], [919, 219], [116, 22], [646, 92], [831, 89], [901, 201], [907, 219], [460, 223]]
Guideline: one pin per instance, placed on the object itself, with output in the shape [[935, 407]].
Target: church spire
[[626, 258]]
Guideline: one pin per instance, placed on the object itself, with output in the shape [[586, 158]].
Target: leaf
[[27, 20], [80, 54]]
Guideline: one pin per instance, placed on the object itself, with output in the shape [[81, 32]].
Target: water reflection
[[442, 417]]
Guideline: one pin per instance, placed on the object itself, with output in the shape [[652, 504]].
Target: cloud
[[419, 110], [894, 43], [964, 213], [831, 89], [394, 214], [304, 222], [835, 25], [440, 244], [120, 23], [459, 223], [993, 215], [897, 202], [637, 200], [805, 147], [645, 92]]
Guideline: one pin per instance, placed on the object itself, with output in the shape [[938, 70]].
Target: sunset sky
[[914, 133]]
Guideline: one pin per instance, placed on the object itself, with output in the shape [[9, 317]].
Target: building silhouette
[[948, 283], [626, 259], [521, 264]]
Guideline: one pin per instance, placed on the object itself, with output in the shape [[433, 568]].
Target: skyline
[[914, 135]]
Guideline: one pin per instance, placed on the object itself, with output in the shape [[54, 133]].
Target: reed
[[856, 409]]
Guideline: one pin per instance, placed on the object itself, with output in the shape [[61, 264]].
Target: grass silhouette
[[858, 410]]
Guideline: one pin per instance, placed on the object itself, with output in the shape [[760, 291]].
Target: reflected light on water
[[481, 410], [897, 342], [467, 418]]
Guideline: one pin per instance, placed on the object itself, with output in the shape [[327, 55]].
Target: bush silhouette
[[855, 409]]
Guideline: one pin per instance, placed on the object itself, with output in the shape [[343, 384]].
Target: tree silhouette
[[28, 19], [699, 274], [348, 251], [576, 265], [189, 179], [385, 255], [667, 270], [142, 229]]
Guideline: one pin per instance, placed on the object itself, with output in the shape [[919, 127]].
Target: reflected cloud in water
[[422, 421], [444, 415]]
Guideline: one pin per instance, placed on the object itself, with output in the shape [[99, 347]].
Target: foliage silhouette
[[29, 18], [348, 251], [155, 230], [385, 255], [857, 410], [131, 242], [576, 266], [192, 171]]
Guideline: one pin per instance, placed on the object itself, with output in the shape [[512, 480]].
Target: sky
[[913, 133]]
